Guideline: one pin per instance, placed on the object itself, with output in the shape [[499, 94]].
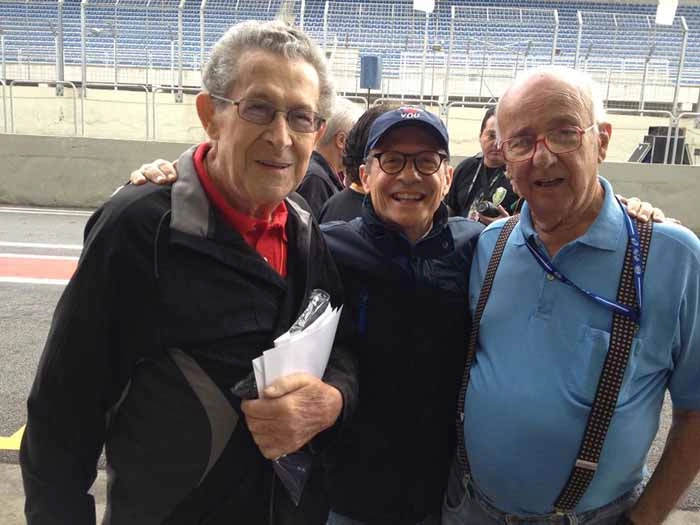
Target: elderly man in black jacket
[[177, 290]]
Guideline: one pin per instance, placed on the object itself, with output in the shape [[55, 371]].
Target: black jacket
[[164, 314], [319, 183], [343, 206], [409, 307], [473, 182]]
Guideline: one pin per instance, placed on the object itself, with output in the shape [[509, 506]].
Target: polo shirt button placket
[[550, 277]]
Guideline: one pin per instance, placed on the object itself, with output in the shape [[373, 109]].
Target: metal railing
[[57, 82]]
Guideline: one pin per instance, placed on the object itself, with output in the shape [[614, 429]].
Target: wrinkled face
[[407, 200], [489, 145], [559, 189], [256, 164]]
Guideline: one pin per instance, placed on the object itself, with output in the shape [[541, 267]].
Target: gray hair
[[343, 118], [221, 70], [588, 89]]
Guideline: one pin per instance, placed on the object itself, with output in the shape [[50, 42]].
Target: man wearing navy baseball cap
[[407, 115], [405, 269]]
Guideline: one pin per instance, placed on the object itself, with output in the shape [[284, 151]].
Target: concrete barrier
[[81, 172], [71, 172]]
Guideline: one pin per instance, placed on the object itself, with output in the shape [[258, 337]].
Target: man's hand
[[644, 211], [678, 466], [503, 214], [159, 171], [293, 410]]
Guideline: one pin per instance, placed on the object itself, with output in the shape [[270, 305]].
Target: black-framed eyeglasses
[[425, 162], [559, 140], [262, 112]]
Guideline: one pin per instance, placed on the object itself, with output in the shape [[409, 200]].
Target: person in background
[[347, 204], [482, 178], [177, 290], [324, 176]]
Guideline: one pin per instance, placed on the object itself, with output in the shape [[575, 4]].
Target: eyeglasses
[[560, 140], [425, 162], [261, 112]]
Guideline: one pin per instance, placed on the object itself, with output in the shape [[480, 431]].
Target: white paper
[[305, 351]]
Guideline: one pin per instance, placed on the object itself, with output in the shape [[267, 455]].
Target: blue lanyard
[[633, 236]]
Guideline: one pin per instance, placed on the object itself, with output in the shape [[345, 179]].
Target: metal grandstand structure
[[116, 35], [626, 49], [487, 43], [463, 53], [393, 31], [216, 16], [30, 33]]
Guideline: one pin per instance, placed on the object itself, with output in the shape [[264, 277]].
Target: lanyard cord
[[489, 183], [633, 238]]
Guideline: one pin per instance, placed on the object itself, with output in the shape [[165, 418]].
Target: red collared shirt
[[268, 238]]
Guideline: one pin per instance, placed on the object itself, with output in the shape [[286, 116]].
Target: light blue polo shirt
[[541, 349]]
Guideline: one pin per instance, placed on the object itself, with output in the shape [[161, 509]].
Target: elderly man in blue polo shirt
[[543, 438]]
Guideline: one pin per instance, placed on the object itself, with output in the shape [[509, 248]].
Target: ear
[[206, 110], [364, 177], [449, 171], [604, 132], [340, 139], [319, 134]]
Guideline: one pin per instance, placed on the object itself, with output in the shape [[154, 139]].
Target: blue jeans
[[464, 504], [339, 519]]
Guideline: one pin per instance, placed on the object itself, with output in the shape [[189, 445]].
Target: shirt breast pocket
[[587, 360]]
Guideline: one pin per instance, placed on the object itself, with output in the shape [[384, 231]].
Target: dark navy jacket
[[409, 307]]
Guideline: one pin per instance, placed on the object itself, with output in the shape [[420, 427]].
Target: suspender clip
[[586, 465]]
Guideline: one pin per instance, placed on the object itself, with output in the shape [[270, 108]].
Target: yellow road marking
[[12, 442]]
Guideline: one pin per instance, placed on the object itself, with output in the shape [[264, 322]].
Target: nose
[[277, 132], [409, 173], [542, 157]]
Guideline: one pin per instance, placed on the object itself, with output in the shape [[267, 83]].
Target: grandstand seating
[[147, 37]]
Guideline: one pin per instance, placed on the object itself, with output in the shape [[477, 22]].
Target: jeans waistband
[[554, 518]]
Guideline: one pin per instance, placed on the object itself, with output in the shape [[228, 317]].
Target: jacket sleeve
[[460, 183], [315, 191], [342, 369], [77, 381]]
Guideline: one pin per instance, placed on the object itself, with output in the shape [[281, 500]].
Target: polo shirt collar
[[603, 234]]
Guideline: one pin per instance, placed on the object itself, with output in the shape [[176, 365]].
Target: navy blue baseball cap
[[403, 116]]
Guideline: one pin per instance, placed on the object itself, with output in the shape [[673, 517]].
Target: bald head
[[542, 85]]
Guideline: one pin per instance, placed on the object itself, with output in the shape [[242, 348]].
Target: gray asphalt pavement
[[25, 316]]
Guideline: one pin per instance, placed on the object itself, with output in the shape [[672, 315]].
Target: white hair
[[343, 117], [221, 70], [582, 82]]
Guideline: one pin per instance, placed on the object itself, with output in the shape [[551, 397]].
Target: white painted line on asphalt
[[29, 280], [45, 211], [7, 244], [33, 256]]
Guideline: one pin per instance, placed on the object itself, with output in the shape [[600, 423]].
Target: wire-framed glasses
[[262, 112]]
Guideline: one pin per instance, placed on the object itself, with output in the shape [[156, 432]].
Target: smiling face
[[407, 200], [562, 191], [489, 145], [256, 166]]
